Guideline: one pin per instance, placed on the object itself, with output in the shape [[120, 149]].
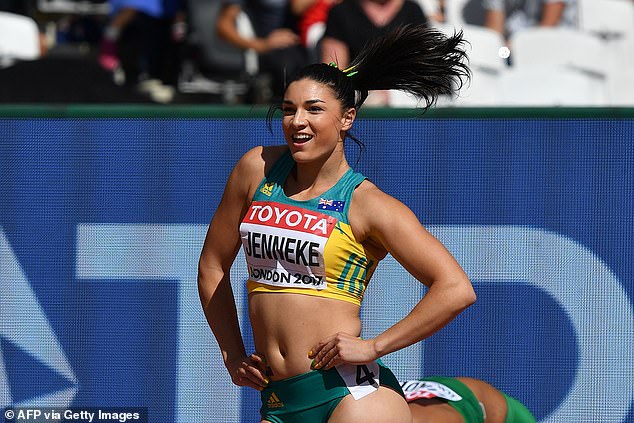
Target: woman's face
[[313, 120]]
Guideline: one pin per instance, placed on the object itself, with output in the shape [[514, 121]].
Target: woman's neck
[[309, 180]]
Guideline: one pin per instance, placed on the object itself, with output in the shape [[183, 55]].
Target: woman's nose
[[299, 119]]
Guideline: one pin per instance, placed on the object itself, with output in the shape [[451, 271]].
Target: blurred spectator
[[311, 22], [352, 23], [434, 10], [509, 16], [144, 37], [25, 8], [275, 39], [19, 7]]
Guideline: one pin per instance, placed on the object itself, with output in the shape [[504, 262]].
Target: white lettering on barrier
[[167, 253], [21, 315], [569, 273], [574, 277], [548, 261]]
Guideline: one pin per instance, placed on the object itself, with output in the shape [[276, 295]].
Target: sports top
[[304, 247]]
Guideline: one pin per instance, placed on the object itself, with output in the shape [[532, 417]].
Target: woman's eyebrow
[[306, 102]]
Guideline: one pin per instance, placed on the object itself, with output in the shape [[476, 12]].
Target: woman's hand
[[342, 348], [250, 371]]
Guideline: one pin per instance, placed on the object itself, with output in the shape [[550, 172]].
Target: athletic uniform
[[461, 398], [312, 397], [304, 247], [308, 248]]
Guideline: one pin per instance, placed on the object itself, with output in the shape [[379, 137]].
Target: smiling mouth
[[301, 138]]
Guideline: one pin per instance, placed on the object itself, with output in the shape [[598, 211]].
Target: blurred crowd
[[241, 51]]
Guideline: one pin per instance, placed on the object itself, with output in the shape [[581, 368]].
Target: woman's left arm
[[383, 220]]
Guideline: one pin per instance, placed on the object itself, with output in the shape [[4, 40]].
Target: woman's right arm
[[218, 253]]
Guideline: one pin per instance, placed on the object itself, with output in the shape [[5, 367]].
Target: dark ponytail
[[413, 58]]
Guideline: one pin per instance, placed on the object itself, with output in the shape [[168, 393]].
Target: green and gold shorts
[[312, 397]]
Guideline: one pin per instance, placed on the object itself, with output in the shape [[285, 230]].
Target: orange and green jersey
[[304, 247]]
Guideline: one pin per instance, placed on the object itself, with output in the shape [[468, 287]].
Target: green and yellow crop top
[[304, 247]]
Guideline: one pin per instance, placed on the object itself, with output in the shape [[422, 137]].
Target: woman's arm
[[495, 19], [383, 220], [219, 251], [228, 30], [552, 13], [298, 7]]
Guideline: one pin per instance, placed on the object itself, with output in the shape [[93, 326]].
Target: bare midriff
[[286, 326]]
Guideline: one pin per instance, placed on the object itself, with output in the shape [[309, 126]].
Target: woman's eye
[[288, 111], [314, 109]]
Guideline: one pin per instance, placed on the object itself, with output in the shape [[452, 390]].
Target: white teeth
[[302, 137]]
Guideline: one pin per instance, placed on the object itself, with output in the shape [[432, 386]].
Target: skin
[[294, 333], [433, 410], [551, 16], [379, 12], [299, 7], [123, 18], [227, 30]]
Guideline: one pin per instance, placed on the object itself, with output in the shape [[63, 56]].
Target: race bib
[[284, 245], [361, 379], [416, 389]]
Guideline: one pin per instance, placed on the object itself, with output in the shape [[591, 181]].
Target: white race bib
[[360, 379], [284, 245]]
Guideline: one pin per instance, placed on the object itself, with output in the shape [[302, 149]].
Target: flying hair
[[413, 58], [417, 59]]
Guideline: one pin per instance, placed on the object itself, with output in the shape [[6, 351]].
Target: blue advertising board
[[102, 222]]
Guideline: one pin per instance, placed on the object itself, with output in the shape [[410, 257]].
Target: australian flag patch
[[332, 205]]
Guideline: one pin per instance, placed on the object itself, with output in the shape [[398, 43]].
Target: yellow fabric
[[348, 265]]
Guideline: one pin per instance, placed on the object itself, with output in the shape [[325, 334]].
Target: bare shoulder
[[260, 158], [272, 154], [372, 208], [367, 191], [257, 162], [249, 171], [368, 199]]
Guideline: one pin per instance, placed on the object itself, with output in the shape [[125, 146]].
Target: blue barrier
[[102, 221]]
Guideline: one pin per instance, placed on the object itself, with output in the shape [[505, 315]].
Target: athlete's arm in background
[[382, 220], [219, 251]]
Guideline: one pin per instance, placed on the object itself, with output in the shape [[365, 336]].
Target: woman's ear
[[347, 118]]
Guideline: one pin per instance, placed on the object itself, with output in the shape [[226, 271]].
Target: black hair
[[417, 59]]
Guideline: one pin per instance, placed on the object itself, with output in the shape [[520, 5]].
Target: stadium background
[[103, 211]]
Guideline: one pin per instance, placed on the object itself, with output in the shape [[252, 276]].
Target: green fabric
[[517, 412], [341, 191], [311, 397], [388, 379], [469, 407]]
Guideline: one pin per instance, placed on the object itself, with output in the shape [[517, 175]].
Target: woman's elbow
[[461, 293], [467, 295]]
